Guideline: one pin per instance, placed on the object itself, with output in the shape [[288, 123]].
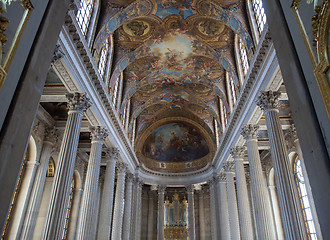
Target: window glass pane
[[244, 58], [84, 15], [259, 13], [304, 199]]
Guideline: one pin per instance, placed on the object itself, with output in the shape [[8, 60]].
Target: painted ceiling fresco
[[174, 56]]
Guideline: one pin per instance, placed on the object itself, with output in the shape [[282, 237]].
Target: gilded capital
[[78, 102], [237, 151], [98, 133], [250, 131], [268, 100]]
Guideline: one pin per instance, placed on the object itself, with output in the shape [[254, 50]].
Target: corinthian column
[[232, 201], [191, 213], [38, 186], [117, 223], [104, 231], [54, 226], [151, 214], [213, 207], [261, 201], [224, 214], [293, 221], [245, 218], [138, 210], [201, 194], [127, 207], [87, 214], [160, 225]]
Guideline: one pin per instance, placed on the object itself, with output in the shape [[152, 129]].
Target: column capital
[[190, 188], [229, 167], [161, 188], [78, 102], [111, 154], [222, 176], [121, 167], [268, 100], [98, 133], [250, 131], [129, 177], [51, 135], [292, 133], [237, 152]]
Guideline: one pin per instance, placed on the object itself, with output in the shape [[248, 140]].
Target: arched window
[[104, 59], [259, 13], [232, 88], [243, 57], [84, 14], [300, 180]]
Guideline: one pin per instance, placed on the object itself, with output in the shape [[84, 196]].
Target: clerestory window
[[84, 14]]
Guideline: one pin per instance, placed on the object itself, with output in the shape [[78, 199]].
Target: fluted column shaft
[[54, 226], [117, 223], [232, 202], [127, 208], [160, 221], [224, 213], [191, 213], [150, 216], [88, 210], [201, 215], [244, 210], [104, 231], [213, 206], [261, 200], [293, 221], [138, 210], [38, 186]]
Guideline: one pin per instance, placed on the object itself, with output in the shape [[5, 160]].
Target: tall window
[[84, 15], [232, 88], [259, 13], [243, 56], [103, 58], [310, 226]]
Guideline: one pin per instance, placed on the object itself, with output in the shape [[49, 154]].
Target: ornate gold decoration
[[176, 233], [320, 25], [26, 4], [51, 168]]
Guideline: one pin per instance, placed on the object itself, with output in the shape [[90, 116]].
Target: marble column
[[293, 221], [160, 221], [38, 185], [138, 215], [104, 231], [118, 212], [244, 210], [261, 201], [232, 201], [134, 206], [191, 212], [127, 207], [54, 226], [213, 209], [201, 210], [85, 231], [151, 215], [224, 207]]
